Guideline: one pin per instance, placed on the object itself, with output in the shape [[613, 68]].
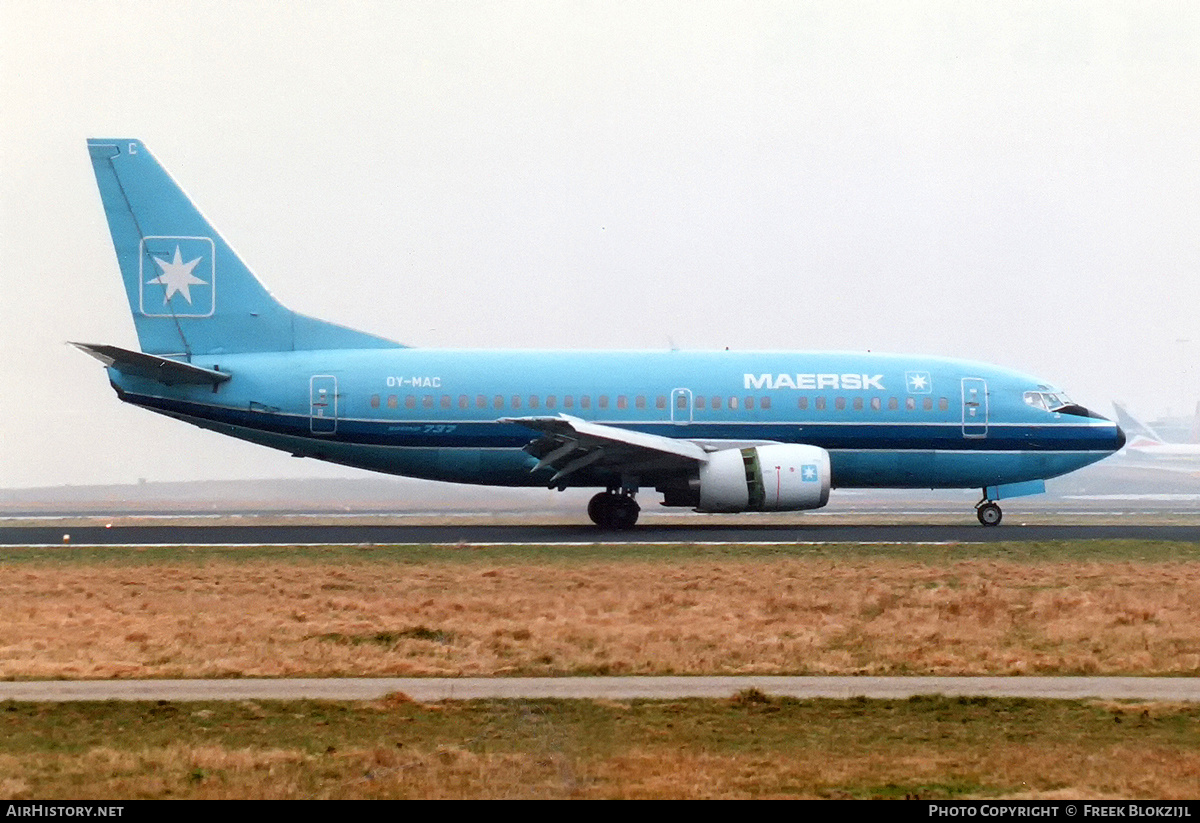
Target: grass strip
[[753, 745]]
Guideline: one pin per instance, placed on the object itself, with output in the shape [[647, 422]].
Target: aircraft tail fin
[[1134, 427], [189, 293]]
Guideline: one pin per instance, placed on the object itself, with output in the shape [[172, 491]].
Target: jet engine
[[772, 478]]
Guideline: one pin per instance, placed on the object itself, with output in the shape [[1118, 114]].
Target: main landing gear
[[613, 510], [988, 512]]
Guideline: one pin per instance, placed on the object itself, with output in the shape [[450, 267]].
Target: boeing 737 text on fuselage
[[713, 431]]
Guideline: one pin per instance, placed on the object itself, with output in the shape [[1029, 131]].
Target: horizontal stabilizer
[[153, 367]]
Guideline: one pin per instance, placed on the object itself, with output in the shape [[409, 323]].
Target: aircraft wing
[[139, 364], [569, 444]]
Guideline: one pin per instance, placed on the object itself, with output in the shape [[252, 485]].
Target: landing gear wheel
[[989, 514], [610, 510], [598, 507], [626, 513]]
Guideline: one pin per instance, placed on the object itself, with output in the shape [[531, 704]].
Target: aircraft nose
[[1120, 438]]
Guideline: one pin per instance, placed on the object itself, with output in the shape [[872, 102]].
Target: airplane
[[712, 431], [1147, 447]]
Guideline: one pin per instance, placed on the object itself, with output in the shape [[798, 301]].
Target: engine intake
[[775, 478]]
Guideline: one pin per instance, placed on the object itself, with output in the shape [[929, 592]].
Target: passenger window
[[498, 402], [699, 402], [910, 403], [410, 401], [569, 402], [374, 401], [392, 402], [463, 401], [585, 402], [551, 402], [533, 401], [622, 402], [943, 404], [602, 401], [516, 401], [858, 404], [640, 402], [876, 404], [765, 403], [893, 404], [660, 402], [716, 404], [480, 401], [928, 404], [681, 401], [820, 403], [802, 403], [733, 403], [840, 404], [750, 403], [446, 402]]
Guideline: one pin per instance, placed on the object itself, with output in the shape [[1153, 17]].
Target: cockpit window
[[1048, 400], [1058, 402]]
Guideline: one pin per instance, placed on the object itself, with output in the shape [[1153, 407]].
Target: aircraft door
[[322, 398], [681, 406], [974, 407]]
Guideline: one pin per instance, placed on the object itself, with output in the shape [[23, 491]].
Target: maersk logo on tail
[[849, 382], [178, 278]]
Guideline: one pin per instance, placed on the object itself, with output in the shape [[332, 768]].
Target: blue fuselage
[[886, 421]]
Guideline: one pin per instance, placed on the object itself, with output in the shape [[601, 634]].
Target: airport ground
[[751, 746], [1014, 608], [1067, 607]]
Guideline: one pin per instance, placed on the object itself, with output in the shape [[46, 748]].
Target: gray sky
[[1010, 182]]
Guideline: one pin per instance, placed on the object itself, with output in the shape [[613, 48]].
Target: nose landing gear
[[614, 510], [988, 512]]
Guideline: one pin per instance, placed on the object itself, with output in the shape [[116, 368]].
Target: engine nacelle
[[776, 478]]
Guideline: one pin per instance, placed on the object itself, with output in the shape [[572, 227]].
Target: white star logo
[[177, 277], [917, 381]]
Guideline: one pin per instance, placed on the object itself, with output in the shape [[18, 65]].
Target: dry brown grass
[[704, 616], [937, 749], [1073, 773]]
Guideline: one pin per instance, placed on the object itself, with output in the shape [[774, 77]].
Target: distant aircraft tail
[[189, 292], [1133, 427]]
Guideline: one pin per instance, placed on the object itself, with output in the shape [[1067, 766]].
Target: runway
[[432, 689], [357, 534]]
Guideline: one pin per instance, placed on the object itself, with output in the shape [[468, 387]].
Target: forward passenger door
[[974, 407]]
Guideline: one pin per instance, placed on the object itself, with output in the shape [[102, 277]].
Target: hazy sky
[[1010, 182]]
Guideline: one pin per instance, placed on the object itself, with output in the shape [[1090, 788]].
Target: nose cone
[[1120, 438]]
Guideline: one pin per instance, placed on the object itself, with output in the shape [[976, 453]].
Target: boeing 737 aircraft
[[713, 431]]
